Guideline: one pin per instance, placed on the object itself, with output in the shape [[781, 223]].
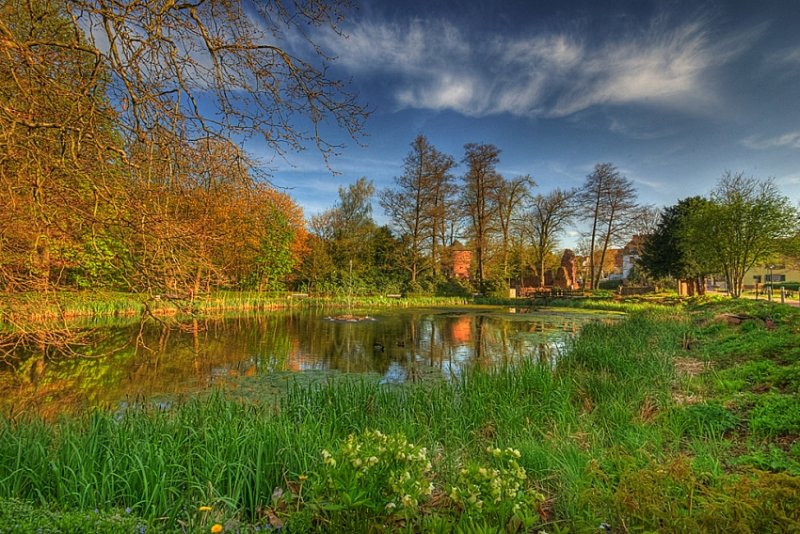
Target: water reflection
[[398, 346]]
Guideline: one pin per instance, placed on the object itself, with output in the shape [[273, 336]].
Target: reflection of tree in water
[[400, 345]]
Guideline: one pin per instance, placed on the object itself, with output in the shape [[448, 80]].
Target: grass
[[661, 422], [26, 308]]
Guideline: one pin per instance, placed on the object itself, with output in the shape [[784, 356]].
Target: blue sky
[[674, 93]]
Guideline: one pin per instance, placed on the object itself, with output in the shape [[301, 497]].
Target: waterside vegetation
[[33, 307], [680, 418]]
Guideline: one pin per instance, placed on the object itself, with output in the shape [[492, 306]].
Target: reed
[[27, 308]]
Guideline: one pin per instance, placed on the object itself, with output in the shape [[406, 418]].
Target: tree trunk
[[541, 272], [701, 285], [198, 277]]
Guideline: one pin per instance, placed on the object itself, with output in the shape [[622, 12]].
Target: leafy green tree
[[274, 261], [670, 251], [316, 266], [743, 224], [347, 231], [387, 274]]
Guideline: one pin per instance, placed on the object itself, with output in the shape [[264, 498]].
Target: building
[[781, 270], [461, 261], [630, 255]]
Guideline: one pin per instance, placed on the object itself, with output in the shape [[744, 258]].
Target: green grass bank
[[677, 419], [25, 308]]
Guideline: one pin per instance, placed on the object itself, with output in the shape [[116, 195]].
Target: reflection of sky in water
[[399, 346], [395, 374]]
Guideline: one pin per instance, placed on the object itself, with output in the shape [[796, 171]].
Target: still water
[[255, 354]]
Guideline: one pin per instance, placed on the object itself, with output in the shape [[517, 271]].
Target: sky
[[673, 93]]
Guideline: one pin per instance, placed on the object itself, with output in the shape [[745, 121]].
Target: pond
[[256, 355]]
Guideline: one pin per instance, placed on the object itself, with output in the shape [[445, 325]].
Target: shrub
[[610, 285]]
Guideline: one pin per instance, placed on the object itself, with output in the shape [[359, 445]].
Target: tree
[[414, 205], [442, 212], [57, 145], [110, 111], [670, 251], [213, 68], [743, 224], [348, 227], [546, 219], [270, 238], [644, 220], [608, 201], [510, 197], [479, 199]]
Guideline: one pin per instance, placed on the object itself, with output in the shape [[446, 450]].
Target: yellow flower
[[216, 528], [205, 508], [303, 477]]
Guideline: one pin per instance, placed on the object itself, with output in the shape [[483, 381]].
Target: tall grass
[[591, 432], [48, 307]]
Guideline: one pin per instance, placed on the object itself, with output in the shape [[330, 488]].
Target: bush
[[789, 286], [374, 480], [611, 285], [495, 289], [453, 287]]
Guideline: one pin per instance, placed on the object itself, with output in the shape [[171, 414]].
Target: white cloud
[[434, 65], [790, 140], [790, 56]]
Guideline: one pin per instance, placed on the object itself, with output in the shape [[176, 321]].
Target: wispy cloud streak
[[434, 65], [789, 139]]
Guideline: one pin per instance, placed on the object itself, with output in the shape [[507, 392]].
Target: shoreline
[[27, 308]]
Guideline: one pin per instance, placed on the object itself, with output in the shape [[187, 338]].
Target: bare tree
[[546, 219], [415, 204], [218, 67], [479, 199], [607, 201], [645, 220], [101, 101], [511, 195]]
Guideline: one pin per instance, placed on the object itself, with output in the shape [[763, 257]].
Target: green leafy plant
[[20, 516], [776, 415], [498, 492], [372, 471]]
